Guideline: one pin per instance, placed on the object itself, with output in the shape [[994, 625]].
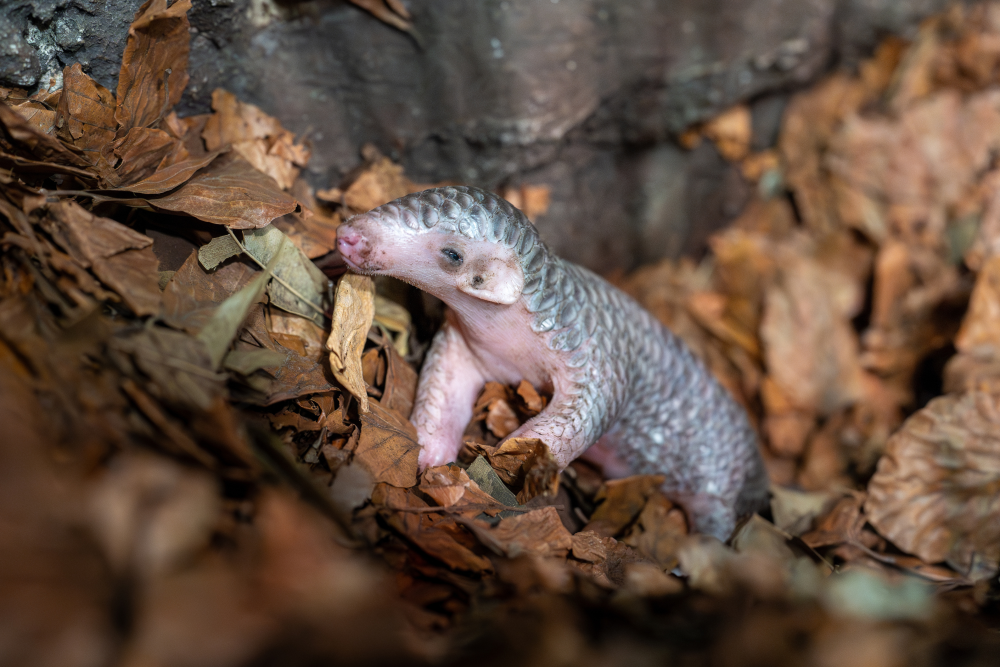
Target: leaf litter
[[209, 458]]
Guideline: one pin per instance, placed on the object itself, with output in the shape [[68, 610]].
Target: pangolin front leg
[[449, 383]]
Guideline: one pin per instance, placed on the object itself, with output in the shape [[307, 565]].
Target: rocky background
[[586, 97]]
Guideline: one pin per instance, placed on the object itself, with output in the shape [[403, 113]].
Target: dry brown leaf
[[512, 458], [539, 532], [912, 286], [588, 546], [934, 493], [305, 332], [193, 293], [917, 169], [532, 200], [795, 511], [492, 391], [400, 383], [786, 424], [373, 368], [228, 192], [532, 402], [426, 532], [388, 446], [151, 514], [313, 229], [445, 484], [123, 259], [810, 347], [621, 501], [168, 177], [980, 331], [649, 580], [659, 531], [154, 66], [824, 461], [22, 139], [379, 184], [500, 418], [754, 166], [715, 312], [235, 122], [42, 119], [259, 138], [967, 372], [87, 110], [299, 376], [842, 524], [810, 120], [353, 311]]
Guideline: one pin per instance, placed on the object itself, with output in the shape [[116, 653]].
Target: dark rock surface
[[581, 95]]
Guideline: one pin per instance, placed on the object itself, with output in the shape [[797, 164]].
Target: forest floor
[[207, 458]]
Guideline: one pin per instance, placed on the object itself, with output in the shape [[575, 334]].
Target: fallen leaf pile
[[208, 458]]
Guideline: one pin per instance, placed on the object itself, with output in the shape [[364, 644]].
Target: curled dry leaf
[[794, 511], [353, 311], [135, 156], [842, 524], [934, 493], [445, 484], [259, 138], [533, 402], [168, 177], [42, 119], [19, 138], [154, 66], [528, 465], [976, 367], [500, 418], [396, 319], [400, 383], [221, 328]]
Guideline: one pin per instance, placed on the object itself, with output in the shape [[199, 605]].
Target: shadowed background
[[583, 96]]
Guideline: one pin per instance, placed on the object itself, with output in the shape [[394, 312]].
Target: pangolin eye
[[453, 256]]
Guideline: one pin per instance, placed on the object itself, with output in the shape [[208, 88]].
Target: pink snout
[[352, 244]]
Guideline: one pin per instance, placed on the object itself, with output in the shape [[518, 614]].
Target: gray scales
[[632, 380]]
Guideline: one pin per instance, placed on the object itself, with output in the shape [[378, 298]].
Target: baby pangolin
[[625, 390]]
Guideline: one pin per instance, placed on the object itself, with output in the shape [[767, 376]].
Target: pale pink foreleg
[[449, 383], [560, 426]]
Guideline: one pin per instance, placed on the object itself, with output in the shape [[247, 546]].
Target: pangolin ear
[[493, 280]]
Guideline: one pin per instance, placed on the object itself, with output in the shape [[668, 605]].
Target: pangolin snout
[[353, 245]]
